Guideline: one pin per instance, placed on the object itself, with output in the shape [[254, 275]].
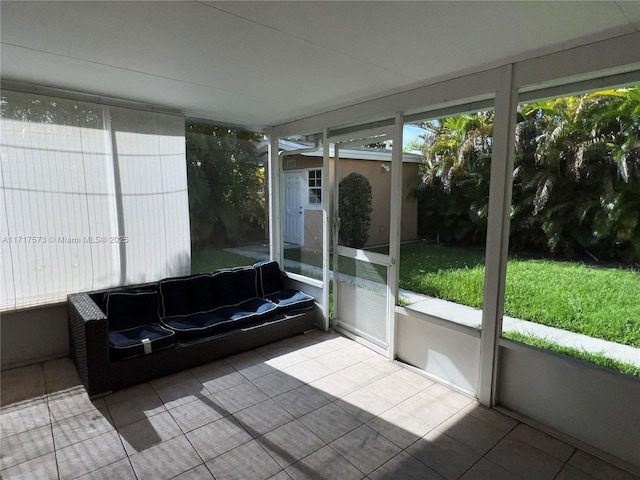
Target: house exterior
[[303, 194]]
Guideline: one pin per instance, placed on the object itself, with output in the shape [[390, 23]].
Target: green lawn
[[599, 302], [205, 261]]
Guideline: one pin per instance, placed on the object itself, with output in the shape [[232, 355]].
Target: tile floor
[[315, 406]]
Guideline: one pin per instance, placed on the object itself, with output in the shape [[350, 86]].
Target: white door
[[363, 302], [294, 189]]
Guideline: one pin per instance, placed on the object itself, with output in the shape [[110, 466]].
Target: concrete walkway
[[472, 317]]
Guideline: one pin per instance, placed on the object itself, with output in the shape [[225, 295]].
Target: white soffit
[[266, 63]]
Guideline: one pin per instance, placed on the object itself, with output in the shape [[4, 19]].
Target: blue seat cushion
[[129, 310], [269, 277], [140, 340], [220, 320], [289, 300]]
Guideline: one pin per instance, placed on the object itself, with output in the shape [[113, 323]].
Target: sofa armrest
[[89, 342]]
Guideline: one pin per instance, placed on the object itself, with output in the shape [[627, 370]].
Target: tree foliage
[[576, 177], [354, 195], [226, 186]]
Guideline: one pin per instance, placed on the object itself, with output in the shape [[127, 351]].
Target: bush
[[355, 210]]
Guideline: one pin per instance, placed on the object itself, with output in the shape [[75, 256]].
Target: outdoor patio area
[[312, 406]]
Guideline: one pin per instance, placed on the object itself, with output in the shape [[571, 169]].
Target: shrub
[[355, 210]]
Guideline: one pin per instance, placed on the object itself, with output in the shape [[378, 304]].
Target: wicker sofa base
[[88, 337]]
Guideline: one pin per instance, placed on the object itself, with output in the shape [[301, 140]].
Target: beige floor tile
[[569, 472], [289, 443], [524, 460], [205, 409], [308, 371], [364, 404], [446, 396], [427, 409], [129, 393], [334, 386], [487, 470], [338, 359], [22, 416], [330, 422], [285, 360], [89, 455], [444, 432], [542, 441], [301, 400], [120, 470], [262, 418], [361, 374], [23, 383], [68, 403], [391, 389], [365, 448], [240, 397], [324, 464], [25, 446], [248, 461], [472, 432], [400, 427], [184, 391], [443, 454], [382, 363], [280, 476], [414, 379], [597, 468], [80, 427], [218, 376], [166, 460], [201, 472], [149, 432], [40, 468], [136, 408], [277, 383], [218, 437], [497, 420], [60, 374], [404, 466]]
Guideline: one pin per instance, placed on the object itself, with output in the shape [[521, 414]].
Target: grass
[[596, 358], [599, 302], [205, 261]]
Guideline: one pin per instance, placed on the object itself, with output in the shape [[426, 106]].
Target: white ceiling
[[265, 63]]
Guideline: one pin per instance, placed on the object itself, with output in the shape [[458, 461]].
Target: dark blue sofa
[[122, 336]]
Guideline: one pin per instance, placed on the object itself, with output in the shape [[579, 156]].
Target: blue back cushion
[[245, 284], [129, 310], [186, 295], [269, 277]]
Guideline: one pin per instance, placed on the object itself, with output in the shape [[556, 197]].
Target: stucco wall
[[380, 181]]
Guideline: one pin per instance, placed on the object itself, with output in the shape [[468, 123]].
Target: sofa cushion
[[195, 294], [269, 278], [220, 320], [129, 310], [245, 284], [140, 340], [289, 300]]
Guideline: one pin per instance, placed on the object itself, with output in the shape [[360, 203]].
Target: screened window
[[315, 187], [93, 196]]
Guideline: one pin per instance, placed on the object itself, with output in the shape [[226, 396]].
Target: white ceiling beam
[[598, 59]]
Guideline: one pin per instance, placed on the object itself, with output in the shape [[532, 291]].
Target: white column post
[[275, 200], [395, 230], [500, 186], [327, 216]]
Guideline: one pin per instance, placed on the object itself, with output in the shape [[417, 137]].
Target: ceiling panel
[[264, 63]]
